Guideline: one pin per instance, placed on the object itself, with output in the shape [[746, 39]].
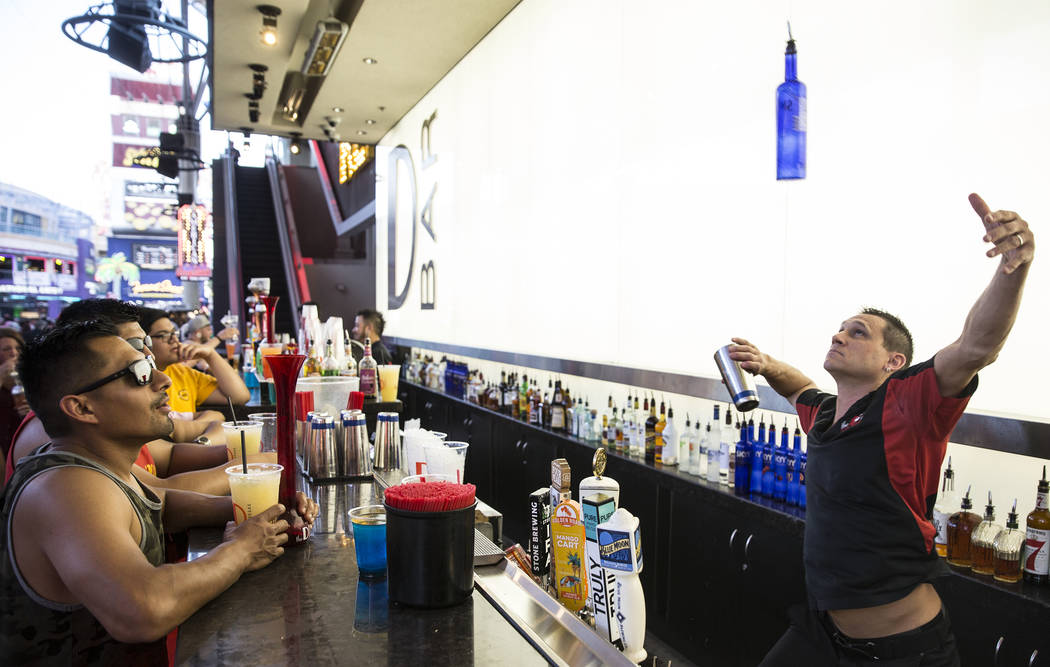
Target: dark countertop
[[309, 608]]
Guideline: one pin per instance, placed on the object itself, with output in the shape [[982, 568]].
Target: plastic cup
[[255, 492], [369, 527], [388, 376], [269, 430], [252, 436], [266, 349], [428, 477], [446, 458]]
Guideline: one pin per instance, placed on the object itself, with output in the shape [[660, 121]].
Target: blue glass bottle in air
[[791, 119], [742, 477], [780, 457]]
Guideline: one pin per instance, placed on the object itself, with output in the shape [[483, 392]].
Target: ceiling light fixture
[[258, 80], [296, 146], [337, 109], [268, 34], [370, 61], [361, 133], [329, 36], [370, 122], [291, 106]]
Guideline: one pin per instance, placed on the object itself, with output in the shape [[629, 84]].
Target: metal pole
[[233, 255]]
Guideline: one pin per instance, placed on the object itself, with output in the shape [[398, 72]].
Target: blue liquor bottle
[[791, 119], [802, 480], [768, 450], [793, 460], [780, 464], [756, 468], [742, 475]]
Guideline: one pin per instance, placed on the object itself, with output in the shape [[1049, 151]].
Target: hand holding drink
[[255, 491], [262, 536]]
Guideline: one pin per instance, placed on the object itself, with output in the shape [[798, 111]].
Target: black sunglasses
[[140, 370]]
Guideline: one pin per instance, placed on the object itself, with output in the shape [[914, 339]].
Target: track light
[[268, 34], [296, 146]]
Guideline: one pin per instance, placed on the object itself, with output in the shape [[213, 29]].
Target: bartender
[[875, 453], [370, 324]]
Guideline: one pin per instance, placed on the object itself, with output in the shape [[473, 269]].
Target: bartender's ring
[[1020, 239]]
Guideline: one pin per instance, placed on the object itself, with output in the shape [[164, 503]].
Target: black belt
[[924, 638]]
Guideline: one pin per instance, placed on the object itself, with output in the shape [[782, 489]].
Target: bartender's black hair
[[895, 336], [374, 318], [110, 310], [58, 363]]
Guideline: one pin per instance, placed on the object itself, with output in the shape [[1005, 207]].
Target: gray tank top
[[36, 631]]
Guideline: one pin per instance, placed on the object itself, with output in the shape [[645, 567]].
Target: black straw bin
[[430, 556]]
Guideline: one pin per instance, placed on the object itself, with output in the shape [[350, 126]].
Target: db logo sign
[[412, 216]]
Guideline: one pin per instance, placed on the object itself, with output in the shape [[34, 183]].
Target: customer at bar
[[163, 463], [80, 537], [875, 455], [190, 389], [370, 324], [11, 345]]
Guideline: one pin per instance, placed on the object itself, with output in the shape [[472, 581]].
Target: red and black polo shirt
[[870, 488]]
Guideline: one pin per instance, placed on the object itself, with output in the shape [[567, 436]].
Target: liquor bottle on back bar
[[312, 365], [982, 542], [368, 370], [557, 410], [650, 432], [960, 530], [1009, 548], [945, 505], [1037, 530], [658, 440]]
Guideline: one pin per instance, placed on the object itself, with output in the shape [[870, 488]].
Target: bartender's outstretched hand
[[259, 537], [1008, 232], [750, 357]]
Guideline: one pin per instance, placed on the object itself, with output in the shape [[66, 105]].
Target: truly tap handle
[[620, 545]]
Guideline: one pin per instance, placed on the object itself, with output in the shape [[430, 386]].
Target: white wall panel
[[606, 181]]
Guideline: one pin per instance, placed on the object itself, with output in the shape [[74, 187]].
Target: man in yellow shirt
[[190, 388]]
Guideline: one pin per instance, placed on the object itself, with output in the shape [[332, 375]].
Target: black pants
[[813, 640]]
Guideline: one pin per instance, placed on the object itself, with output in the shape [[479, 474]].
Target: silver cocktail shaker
[[355, 459], [739, 382], [323, 464], [388, 442]]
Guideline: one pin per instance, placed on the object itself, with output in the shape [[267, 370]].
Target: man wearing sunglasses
[[190, 388], [174, 462], [80, 536]]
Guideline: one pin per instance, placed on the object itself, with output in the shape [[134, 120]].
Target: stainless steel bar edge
[[1015, 435]]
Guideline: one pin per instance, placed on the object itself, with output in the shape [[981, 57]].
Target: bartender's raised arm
[[785, 379], [993, 315]]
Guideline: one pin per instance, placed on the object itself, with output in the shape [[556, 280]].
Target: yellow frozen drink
[[388, 375], [252, 437], [255, 492]]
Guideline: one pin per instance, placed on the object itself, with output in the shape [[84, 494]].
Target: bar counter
[[309, 607]]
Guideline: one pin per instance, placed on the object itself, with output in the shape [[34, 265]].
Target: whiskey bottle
[[1037, 531], [960, 530], [1009, 547], [650, 433], [558, 410], [982, 542], [946, 502], [658, 439], [523, 399]]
